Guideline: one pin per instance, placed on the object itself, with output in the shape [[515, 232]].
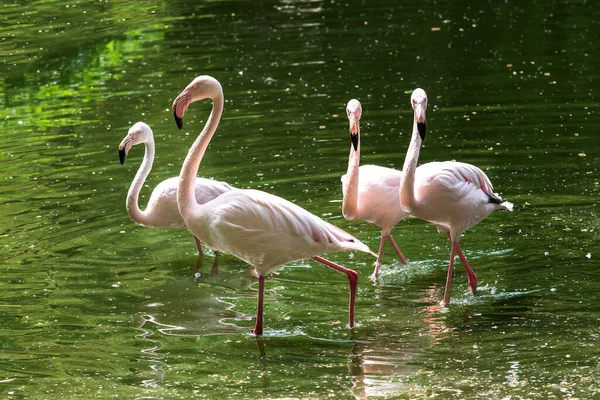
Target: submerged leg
[[472, 277], [395, 246], [258, 328], [446, 300], [375, 273], [352, 279], [215, 267]]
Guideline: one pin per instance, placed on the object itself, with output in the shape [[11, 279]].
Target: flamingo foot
[[373, 276]]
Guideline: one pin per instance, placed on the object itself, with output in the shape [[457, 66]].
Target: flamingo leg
[[352, 279], [375, 273], [446, 300], [198, 244], [215, 267], [258, 329], [395, 246], [471, 274], [472, 277]]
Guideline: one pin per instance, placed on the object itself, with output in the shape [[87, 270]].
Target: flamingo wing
[[457, 175], [266, 231]]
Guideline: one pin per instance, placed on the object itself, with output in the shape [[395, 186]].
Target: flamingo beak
[[354, 131], [124, 148], [421, 121], [178, 121], [122, 156], [179, 106]]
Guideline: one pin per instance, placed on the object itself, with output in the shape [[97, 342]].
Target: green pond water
[[94, 306]]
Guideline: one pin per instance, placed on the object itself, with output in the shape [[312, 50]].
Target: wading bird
[[453, 196], [161, 211], [261, 229], [371, 192]]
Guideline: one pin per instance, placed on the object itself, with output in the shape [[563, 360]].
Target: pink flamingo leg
[[198, 244], [471, 274], [258, 329], [446, 300], [472, 277], [352, 279], [375, 273], [395, 246]]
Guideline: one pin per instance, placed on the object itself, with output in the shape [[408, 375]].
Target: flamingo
[[261, 229], [161, 211], [371, 192], [454, 196]]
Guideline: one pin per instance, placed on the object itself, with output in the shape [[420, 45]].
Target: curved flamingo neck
[[133, 209], [350, 189], [186, 199], [407, 186]]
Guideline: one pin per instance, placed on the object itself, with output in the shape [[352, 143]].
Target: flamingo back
[[455, 196], [265, 230]]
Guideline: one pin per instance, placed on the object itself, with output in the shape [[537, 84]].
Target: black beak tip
[[178, 121], [122, 156], [354, 140], [422, 127]]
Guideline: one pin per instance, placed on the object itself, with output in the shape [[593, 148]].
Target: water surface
[[93, 306]]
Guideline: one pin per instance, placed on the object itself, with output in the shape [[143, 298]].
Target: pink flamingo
[[454, 196], [261, 229], [161, 211], [371, 191]]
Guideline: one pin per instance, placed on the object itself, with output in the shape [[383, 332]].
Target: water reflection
[[156, 365], [190, 306], [372, 364]]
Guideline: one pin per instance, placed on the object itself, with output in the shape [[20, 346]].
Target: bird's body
[[256, 226], [378, 201], [162, 210], [454, 196], [370, 191], [261, 229]]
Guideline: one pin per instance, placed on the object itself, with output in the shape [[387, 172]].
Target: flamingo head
[[354, 111], [138, 133], [418, 101], [202, 87]]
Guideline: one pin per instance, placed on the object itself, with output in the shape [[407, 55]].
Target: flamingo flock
[[267, 231]]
